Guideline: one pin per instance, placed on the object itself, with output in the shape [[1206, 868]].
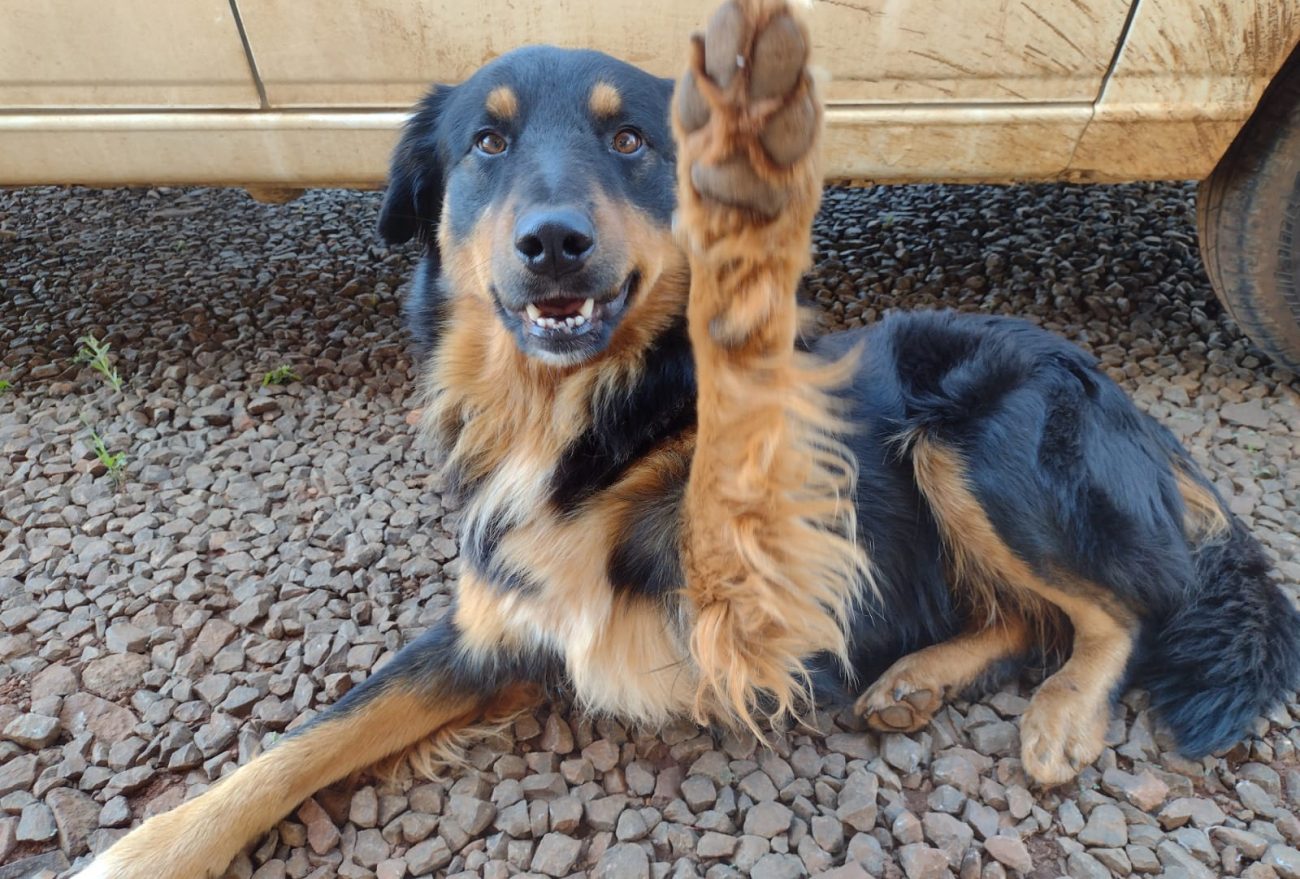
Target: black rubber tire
[[1248, 216]]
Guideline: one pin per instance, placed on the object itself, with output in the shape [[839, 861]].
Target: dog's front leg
[[771, 560], [440, 682]]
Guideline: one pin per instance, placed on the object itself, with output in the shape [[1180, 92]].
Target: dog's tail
[[1231, 649]]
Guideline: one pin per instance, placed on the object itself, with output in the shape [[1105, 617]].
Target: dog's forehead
[[561, 83]]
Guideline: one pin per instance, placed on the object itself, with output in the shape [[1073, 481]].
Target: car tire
[[1248, 216]]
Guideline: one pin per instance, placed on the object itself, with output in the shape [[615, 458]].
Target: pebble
[[1143, 790], [1082, 865], [777, 866], [472, 814], [768, 819], [902, 752], [556, 854], [716, 845], [125, 638], [1252, 845], [948, 834], [1199, 811], [76, 815], [1106, 827], [920, 861], [425, 857], [857, 800], [1010, 852], [623, 861], [33, 731], [1284, 860], [322, 835], [36, 824]]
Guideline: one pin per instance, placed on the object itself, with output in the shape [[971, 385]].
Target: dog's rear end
[[1058, 501], [1225, 653]]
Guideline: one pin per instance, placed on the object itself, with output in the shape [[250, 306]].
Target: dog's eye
[[490, 142], [628, 141]]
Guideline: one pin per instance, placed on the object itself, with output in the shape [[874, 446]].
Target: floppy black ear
[[414, 198]]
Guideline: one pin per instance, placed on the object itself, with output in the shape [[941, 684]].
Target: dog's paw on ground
[[1060, 734], [747, 104], [903, 699]]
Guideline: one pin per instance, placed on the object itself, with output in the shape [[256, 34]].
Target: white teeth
[[568, 323]]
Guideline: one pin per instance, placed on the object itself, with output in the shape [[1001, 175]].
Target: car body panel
[[1098, 90], [386, 52], [95, 55]]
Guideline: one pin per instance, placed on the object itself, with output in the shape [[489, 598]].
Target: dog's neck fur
[[488, 401]]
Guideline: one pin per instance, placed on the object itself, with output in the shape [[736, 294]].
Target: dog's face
[[543, 184]]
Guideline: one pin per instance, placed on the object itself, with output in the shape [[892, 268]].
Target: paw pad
[[748, 82]]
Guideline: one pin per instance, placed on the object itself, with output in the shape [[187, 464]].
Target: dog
[[677, 501]]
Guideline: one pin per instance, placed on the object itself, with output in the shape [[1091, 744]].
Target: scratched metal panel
[[129, 54], [384, 53], [1186, 80]]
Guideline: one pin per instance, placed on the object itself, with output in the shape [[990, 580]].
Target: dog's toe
[[895, 717], [725, 40], [692, 108], [778, 59], [734, 182], [789, 134]]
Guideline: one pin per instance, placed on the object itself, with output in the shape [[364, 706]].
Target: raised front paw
[[745, 110]]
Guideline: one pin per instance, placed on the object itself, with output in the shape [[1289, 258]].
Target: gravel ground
[[268, 546]]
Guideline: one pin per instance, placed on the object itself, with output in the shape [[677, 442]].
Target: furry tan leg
[[771, 564], [908, 694], [200, 838], [400, 706], [1065, 726]]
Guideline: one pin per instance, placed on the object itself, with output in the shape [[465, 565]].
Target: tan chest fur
[[624, 654], [504, 422]]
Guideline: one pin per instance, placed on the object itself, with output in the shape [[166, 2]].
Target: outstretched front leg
[[442, 682], [771, 559]]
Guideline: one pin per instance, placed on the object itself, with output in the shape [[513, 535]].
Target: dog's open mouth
[[560, 317]]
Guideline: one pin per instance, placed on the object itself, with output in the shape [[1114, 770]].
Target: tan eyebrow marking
[[605, 100], [503, 103]]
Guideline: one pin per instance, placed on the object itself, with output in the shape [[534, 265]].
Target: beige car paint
[[294, 95]]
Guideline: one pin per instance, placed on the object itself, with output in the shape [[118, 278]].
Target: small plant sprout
[[6, 386], [95, 353], [282, 374], [114, 462]]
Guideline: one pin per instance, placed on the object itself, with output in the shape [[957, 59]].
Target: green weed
[[280, 375], [6, 386], [114, 462], [95, 353]]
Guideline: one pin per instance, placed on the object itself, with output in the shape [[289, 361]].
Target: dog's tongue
[[560, 307]]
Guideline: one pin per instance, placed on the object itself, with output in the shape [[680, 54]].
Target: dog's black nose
[[555, 241]]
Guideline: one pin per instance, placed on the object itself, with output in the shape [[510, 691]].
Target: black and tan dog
[[678, 505]]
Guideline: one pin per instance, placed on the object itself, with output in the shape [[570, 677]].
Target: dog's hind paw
[[1059, 736], [746, 107], [904, 698]]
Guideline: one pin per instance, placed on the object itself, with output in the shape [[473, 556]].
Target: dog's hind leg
[[907, 695], [1064, 728], [770, 559], [437, 684]]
